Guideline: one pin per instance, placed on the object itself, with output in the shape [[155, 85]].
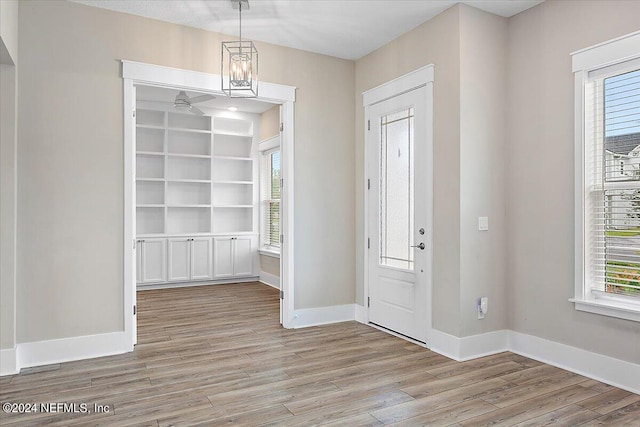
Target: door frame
[[422, 77], [138, 73]]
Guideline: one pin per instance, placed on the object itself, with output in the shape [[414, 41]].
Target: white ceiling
[[221, 102], [347, 29]]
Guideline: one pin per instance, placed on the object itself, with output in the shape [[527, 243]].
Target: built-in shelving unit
[[194, 174]]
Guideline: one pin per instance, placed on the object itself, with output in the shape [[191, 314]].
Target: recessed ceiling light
[[232, 108]]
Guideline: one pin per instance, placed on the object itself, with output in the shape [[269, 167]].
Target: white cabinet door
[[222, 257], [201, 258], [179, 262], [242, 256], [152, 256]]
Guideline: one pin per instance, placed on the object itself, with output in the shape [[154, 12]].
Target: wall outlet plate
[[483, 223], [482, 306]]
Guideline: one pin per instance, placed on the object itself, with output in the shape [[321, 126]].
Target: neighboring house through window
[[607, 84]]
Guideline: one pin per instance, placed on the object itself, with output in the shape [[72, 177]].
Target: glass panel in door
[[397, 189]]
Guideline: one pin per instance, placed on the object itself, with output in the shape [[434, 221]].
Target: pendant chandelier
[[239, 69]]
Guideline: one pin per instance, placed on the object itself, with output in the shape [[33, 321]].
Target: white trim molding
[[613, 56], [470, 347], [607, 53], [9, 361], [39, 353], [616, 372], [306, 317], [399, 85], [269, 253], [609, 370], [270, 279], [158, 75], [360, 313], [138, 73], [153, 286]]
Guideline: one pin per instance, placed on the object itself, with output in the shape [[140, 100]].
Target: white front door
[[398, 226]]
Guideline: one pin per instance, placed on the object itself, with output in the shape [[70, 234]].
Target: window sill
[[610, 305], [269, 252]]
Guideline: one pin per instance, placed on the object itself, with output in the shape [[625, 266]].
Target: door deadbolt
[[421, 231]]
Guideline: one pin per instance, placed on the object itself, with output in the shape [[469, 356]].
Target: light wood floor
[[216, 355]]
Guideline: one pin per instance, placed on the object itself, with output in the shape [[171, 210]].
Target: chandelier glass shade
[[239, 71]]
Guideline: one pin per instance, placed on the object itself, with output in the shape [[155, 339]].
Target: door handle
[[420, 246]]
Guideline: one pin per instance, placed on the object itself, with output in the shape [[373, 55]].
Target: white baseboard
[[8, 362], [361, 314], [270, 279], [39, 353], [74, 348], [323, 315], [467, 348], [485, 344], [615, 372], [192, 284]]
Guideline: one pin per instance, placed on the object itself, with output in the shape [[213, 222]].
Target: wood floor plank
[[628, 416], [538, 404], [342, 410], [610, 401], [571, 415], [437, 401], [217, 355], [450, 414]]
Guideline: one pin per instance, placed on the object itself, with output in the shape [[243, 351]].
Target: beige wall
[[270, 265], [8, 170], [8, 31], [71, 161], [541, 175], [434, 42], [483, 75], [468, 48], [270, 123], [8, 193], [270, 127]]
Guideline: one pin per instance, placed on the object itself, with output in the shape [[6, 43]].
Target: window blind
[[270, 198], [612, 167]]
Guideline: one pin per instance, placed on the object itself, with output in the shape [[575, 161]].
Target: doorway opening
[[203, 206], [399, 205]]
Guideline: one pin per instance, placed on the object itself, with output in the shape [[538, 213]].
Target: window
[[608, 178], [397, 189], [270, 199]]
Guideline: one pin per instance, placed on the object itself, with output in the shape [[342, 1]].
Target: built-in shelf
[[249, 159], [189, 130], [241, 134], [190, 180], [150, 153], [141, 179], [150, 127], [195, 174], [234, 182], [197, 156]]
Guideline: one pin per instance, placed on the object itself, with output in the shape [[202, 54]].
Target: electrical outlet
[[483, 307], [483, 223]]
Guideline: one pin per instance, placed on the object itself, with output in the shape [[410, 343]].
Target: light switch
[[483, 223]]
